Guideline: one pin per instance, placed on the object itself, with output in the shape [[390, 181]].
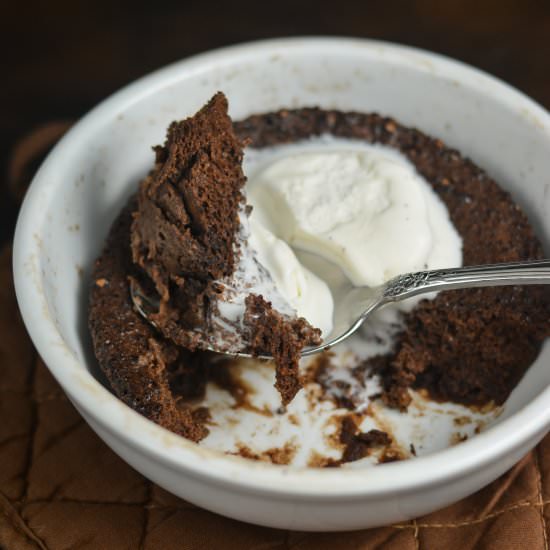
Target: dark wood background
[[62, 57]]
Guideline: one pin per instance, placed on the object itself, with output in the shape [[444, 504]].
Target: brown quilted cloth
[[61, 487]]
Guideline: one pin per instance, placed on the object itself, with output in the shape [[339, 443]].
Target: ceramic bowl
[[85, 180]]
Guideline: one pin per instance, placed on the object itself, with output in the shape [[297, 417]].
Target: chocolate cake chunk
[[187, 236], [184, 229], [269, 331], [469, 346], [140, 366], [357, 445]]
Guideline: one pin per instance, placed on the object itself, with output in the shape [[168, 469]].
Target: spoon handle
[[531, 272]]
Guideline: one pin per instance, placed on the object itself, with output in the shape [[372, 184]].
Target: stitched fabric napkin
[[61, 487]]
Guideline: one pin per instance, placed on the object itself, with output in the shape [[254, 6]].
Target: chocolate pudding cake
[[184, 237]]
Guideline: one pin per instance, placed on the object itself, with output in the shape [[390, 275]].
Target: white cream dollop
[[362, 206], [302, 289]]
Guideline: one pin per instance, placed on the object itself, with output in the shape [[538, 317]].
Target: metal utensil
[[353, 305]]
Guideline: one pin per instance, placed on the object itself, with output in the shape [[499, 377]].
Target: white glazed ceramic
[[85, 180]]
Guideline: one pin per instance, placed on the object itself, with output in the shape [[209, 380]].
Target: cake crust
[[140, 366]]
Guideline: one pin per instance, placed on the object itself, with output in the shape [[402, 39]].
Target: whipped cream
[[361, 206], [306, 293], [250, 277], [268, 267]]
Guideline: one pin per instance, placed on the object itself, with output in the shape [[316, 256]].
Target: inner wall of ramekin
[[96, 168]]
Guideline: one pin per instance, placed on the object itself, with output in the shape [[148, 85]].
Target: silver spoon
[[353, 305]]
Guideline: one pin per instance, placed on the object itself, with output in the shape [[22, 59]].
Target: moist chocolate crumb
[[358, 445], [361, 444], [282, 338], [188, 377]]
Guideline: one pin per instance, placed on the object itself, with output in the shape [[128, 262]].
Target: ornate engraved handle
[[411, 284]]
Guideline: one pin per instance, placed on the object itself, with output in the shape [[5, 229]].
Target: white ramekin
[[84, 181]]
